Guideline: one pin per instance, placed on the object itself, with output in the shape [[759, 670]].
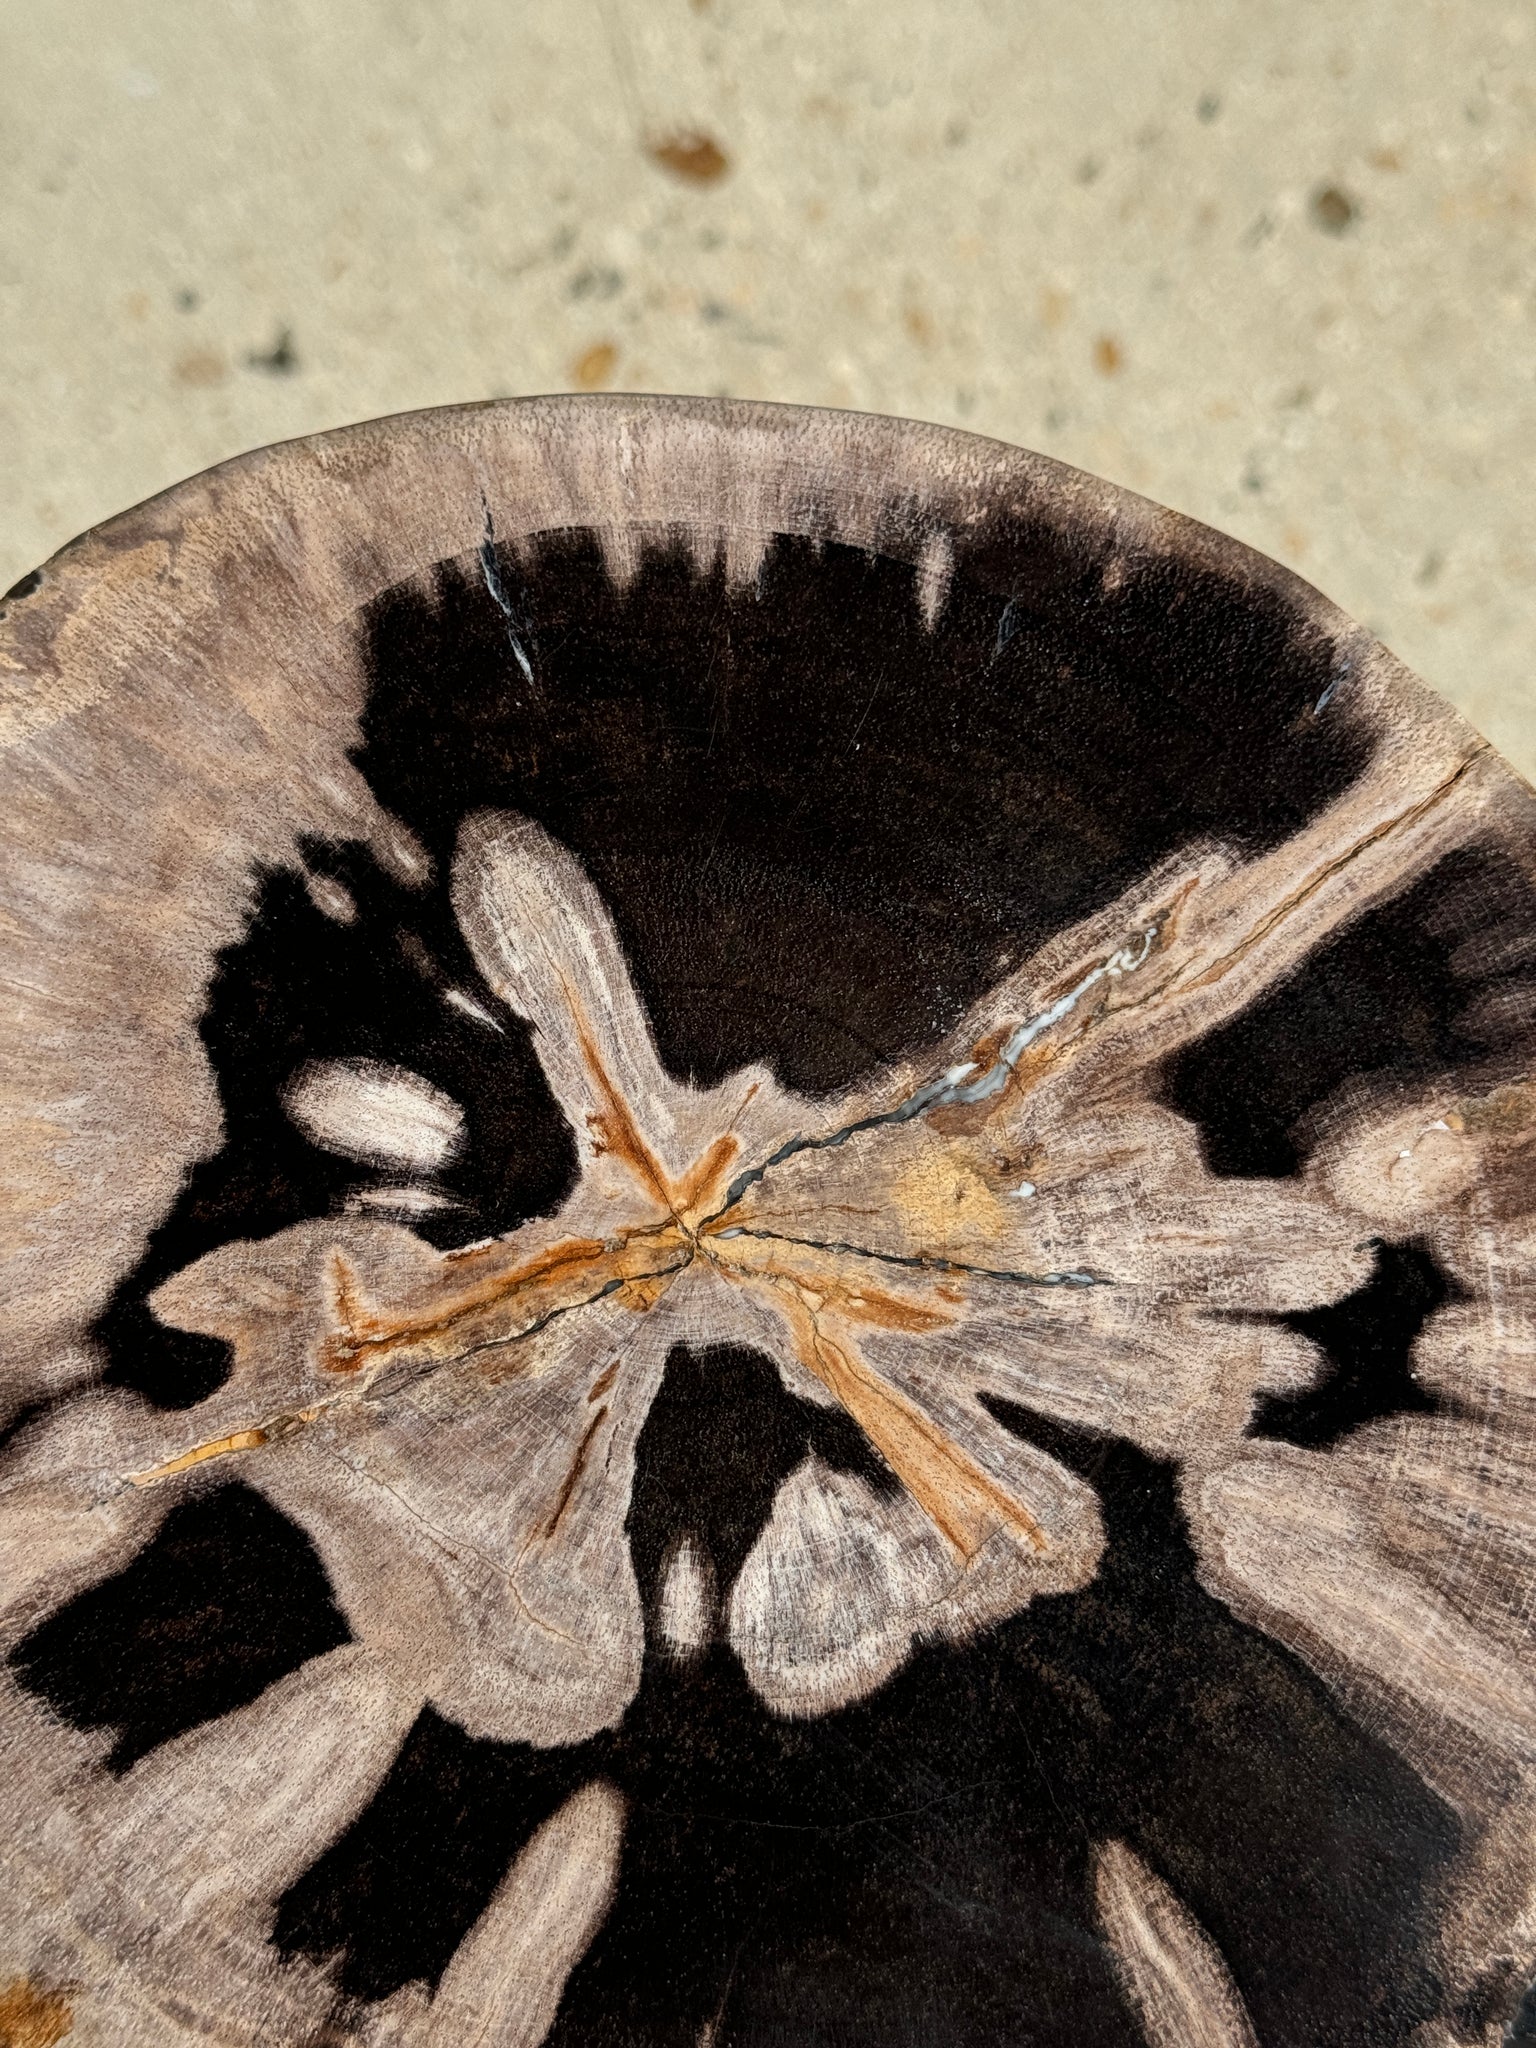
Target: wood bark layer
[[768, 1211]]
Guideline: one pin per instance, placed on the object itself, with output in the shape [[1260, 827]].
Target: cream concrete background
[[1270, 263]]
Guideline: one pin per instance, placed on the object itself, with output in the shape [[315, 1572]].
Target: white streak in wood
[[465, 1002], [397, 849], [397, 1202], [381, 1115], [503, 1988], [822, 1610], [843, 1580], [490, 572], [1172, 1971], [935, 567], [542, 938], [956, 1088], [331, 898], [685, 1612]]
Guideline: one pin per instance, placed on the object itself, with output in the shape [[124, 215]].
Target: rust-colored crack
[[480, 1293], [274, 1428], [617, 1132], [544, 1282], [572, 1478], [238, 1440], [604, 1381], [963, 1502], [614, 1129], [33, 2015]]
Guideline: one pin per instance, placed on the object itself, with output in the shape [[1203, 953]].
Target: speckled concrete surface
[[1272, 264]]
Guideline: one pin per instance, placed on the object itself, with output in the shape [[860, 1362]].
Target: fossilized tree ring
[[767, 1223]]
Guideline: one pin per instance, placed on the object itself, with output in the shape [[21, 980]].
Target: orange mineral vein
[[821, 1306]]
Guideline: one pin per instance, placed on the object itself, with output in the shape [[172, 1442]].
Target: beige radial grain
[[1171, 1969], [235, 1809], [504, 1985], [1293, 1541]]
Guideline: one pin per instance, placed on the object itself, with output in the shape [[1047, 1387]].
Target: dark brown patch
[[604, 1381], [228, 1597], [1332, 210], [691, 155]]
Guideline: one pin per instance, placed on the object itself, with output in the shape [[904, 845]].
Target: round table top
[[767, 1234]]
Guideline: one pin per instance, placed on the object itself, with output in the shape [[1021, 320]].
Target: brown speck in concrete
[[199, 368], [594, 366], [1332, 210], [691, 155], [1053, 306], [1385, 160], [31, 2017], [918, 325], [1108, 356], [137, 305]]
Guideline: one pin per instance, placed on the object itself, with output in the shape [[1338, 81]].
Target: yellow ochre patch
[[31, 2017], [948, 1205]]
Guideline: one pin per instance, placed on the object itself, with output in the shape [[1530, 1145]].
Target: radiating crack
[[924, 1263], [390, 1381], [955, 1085], [490, 570], [962, 1084]]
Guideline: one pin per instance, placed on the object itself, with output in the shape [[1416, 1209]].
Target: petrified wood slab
[[768, 1217]]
